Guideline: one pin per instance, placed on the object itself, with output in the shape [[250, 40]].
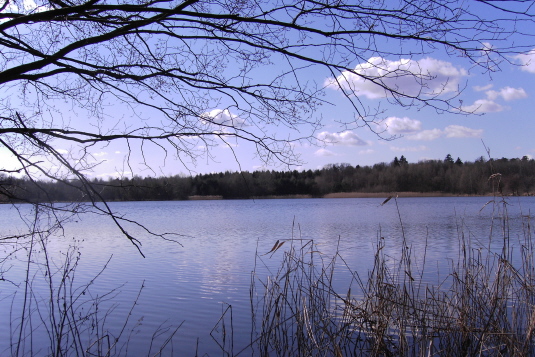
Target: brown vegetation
[[387, 194], [485, 306]]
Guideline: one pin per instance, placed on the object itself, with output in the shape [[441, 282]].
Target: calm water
[[191, 283]]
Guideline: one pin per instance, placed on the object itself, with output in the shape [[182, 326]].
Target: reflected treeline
[[517, 177]]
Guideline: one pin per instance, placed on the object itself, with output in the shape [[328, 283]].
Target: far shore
[[348, 195], [397, 194], [335, 195], [202, 198]]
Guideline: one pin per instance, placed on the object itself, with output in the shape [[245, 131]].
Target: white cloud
[[366, 152], [346, 138], [100, 154], [489, 104], [483, 106], [409, 149], [426, 135], [62, 151], [487, 47], [324, 152], [507, 93], [458, 131], [222, 117], [427, 77], [483, 88], [8, 161], [527, 61], [451, 131], [395, 125]]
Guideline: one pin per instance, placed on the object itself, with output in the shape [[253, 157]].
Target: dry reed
[[484, 306]]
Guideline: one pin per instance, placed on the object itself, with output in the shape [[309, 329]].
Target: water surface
[[193, 281]]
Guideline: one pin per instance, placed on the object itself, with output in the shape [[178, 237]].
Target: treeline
[[507, 176]]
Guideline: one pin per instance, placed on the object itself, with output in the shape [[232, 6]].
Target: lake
[[191, 283]]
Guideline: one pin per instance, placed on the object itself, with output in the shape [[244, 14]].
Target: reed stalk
[[483, 307]]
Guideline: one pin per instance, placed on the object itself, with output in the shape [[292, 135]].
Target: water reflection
[[189, 282]]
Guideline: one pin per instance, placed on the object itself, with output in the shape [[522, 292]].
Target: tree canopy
[[496, 176]]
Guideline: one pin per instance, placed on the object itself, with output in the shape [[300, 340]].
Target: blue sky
[[502, 120], [502, 102]]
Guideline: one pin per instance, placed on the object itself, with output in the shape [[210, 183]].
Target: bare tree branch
[[168, 73]]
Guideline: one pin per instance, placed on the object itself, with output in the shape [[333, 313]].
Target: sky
[[502, 124], [502, 120], [503, 104]]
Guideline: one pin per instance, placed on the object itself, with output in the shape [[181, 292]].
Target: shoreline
[[398, 194], [327, 196], [343, 195]]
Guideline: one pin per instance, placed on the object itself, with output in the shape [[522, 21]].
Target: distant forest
[[448, 176]]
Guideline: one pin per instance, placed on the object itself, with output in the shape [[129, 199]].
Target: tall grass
[[483, 306]]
